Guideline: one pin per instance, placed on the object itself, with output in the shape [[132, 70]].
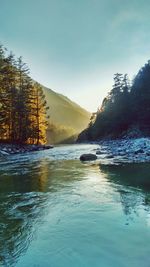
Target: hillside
[[125, 111], [67, 119], [20, 96]]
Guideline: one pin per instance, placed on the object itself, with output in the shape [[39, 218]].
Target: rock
[[88, 157], [5, 149], [99, 152], [109, 156], [4, 153], [139, 151], [125, 150], [122, 153], [47, 147]]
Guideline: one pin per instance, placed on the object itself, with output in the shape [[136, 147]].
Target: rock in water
[[3, 153], [99, 152], [88, 157]]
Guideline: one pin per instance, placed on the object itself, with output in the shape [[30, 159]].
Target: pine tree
[[8, 91], [38, 115], [140, 96], [23, 107], [2, 112]]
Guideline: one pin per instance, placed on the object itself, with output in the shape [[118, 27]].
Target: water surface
[[57, 212]]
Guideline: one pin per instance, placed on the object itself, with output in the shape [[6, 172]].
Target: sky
[[76, 46]]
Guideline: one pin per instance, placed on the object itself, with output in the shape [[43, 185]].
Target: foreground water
[[57, 212]]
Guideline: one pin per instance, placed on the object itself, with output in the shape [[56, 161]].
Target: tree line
[[126, 107], [23, 107]]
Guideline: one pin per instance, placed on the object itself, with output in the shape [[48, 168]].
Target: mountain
[[67, 119], [18, 100]]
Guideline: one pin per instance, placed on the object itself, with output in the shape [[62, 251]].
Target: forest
[[23, 108], [124, 111]]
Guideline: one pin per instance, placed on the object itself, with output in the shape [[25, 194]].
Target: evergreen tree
[[23, 107], [38, 115], [113, 116], [8, 92], [140, 96]]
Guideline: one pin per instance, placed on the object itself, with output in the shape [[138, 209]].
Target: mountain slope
[[67, 118]]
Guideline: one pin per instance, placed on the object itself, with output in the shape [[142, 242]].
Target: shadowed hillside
[[67, 119], [125, 111]]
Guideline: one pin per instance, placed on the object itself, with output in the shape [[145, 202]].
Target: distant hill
[[67, 119]]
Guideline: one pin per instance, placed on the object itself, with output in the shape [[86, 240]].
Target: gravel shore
[[119, 151], [9, 149], [124, 150]]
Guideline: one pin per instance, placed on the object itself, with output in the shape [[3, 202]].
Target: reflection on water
[[63, 213], [127, 176], [17, 214], [22, 202], [136, 174], [19, 208]]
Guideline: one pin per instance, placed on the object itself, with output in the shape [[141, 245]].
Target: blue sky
[[75, 46]]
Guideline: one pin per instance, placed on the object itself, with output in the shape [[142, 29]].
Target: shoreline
[[119, 151], [11, 149]]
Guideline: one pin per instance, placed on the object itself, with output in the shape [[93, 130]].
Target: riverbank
[[133, 150], [8, 149]]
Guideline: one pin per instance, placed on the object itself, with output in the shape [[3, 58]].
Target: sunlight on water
[[62, 213]]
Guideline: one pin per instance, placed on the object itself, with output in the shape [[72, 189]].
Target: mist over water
[[57, 212]]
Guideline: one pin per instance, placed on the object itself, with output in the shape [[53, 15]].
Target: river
[[58, 212]]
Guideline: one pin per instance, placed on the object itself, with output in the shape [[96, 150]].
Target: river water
[[58, 212]]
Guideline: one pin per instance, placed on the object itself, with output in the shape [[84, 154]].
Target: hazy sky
[[75, 46]]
